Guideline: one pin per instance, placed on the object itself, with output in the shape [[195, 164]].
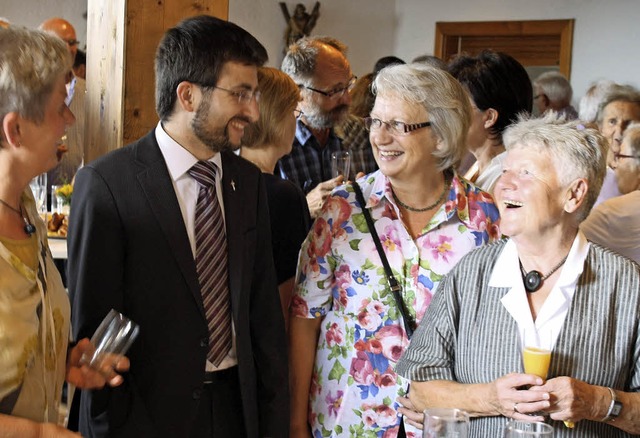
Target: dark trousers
[[220, 408]]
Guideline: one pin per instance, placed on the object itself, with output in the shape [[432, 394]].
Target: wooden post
[[122, 36]]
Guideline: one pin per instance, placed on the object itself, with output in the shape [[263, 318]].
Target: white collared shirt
[[506, 273], [179, 161]]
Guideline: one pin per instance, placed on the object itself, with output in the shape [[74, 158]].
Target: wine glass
[[39, 188], [445, 423], [521, 429], [340, 164]]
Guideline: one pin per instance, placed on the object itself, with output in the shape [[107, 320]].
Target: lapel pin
[[233, 185]]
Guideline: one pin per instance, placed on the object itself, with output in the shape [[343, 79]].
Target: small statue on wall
[[300, 24]]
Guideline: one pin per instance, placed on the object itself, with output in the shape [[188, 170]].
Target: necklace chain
[[29, 228], [6, 204], [533, 279], [428, 207]]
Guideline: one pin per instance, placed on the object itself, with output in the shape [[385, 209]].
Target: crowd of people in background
[[275, 298]]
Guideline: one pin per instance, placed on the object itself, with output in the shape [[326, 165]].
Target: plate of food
[[57, 226]]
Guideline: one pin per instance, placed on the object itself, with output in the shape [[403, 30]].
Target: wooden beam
[[122, 37]]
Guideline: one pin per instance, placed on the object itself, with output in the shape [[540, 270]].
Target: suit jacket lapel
[[233, 194], [157, 187]]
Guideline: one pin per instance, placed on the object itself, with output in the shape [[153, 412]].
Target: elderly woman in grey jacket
[[547, 279]]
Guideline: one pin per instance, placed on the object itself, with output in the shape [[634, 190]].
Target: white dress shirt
[[179, 161], [506, 273]]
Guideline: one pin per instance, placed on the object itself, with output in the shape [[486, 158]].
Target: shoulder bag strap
[[393, 283]]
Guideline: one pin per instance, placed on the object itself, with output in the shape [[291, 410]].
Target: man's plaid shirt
[[308, 164]]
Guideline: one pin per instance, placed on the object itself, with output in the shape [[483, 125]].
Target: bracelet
[[614, 407]]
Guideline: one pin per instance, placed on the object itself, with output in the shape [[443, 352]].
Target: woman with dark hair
[[500, 90]]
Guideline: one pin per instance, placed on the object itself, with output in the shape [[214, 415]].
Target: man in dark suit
[[134, 246]]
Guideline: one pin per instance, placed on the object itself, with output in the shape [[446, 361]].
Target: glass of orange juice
[[536, 355], [536, 352]]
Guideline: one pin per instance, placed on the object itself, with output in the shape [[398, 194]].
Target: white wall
[[31, 13], [606, 33], [366, 26], [605, 45]]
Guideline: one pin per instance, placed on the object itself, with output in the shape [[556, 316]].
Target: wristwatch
[[614, 408]]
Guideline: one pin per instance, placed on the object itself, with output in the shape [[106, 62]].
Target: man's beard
[[216, 139], [319, 119]]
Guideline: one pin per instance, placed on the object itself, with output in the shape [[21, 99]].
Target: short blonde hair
[[577, 151], [31, 61], [442, 97], [279, 96]]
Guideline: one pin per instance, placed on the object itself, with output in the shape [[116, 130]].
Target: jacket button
[[204, 342], [196, 394]]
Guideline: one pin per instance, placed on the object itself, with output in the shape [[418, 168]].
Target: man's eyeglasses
[[617, 157], [72, 43], [243, 96], [394, 126], [336, 93], [298, 113]]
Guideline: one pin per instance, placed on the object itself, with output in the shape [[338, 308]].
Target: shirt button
[[196, 394]]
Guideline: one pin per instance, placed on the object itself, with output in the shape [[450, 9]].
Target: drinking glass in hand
[[111, 341], [445, 423], [536, 352], [522, 429], [340, 164]]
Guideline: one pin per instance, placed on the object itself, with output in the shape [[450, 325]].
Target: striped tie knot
[[204, 172]]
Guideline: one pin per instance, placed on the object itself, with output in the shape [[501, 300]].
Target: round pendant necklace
[[533, 279], [447, 183], [29, 228]]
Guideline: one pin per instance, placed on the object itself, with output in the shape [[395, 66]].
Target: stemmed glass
[[39, 188], [536, 355]]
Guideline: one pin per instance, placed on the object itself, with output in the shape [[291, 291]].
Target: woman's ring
[[515, 408]]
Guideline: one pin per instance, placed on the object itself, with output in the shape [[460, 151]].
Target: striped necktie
[[211, 261]]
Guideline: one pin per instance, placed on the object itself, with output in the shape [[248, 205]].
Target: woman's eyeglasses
[[393, 126]]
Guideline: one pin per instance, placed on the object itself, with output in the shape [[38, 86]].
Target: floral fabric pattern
[[341, 279]]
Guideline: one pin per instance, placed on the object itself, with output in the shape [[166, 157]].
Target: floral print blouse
[[341, 279]]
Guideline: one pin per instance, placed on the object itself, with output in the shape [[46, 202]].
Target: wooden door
[[539, 43]]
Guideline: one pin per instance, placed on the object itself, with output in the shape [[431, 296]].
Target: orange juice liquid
[[536, 361]]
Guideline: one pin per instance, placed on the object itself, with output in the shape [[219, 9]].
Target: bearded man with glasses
[[320, 68]]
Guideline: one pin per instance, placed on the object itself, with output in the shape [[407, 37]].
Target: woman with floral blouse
[[346, 332]]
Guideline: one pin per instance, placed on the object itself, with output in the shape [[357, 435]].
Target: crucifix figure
[[301, 23]]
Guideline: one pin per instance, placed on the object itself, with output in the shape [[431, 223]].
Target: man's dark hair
[[495, 80], [195, 51]]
